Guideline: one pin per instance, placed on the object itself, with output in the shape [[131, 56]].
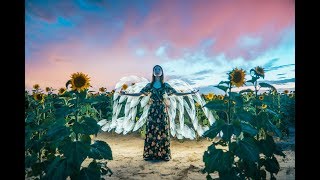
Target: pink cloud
[[224, 21]]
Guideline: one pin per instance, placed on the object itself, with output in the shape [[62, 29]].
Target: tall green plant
[[57, 145], [246, 148]]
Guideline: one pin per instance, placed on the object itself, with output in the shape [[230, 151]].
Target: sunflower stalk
[[76, 115], [38, 115]]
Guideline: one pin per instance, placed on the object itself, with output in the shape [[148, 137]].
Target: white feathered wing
[[179, 129]]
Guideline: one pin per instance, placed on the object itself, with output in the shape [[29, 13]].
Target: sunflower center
[[39, 96], [237, 77], [79, 81]]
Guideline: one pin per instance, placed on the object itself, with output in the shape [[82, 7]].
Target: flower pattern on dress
[[157, 141]]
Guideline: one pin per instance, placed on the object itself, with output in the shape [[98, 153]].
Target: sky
[[198, 41]]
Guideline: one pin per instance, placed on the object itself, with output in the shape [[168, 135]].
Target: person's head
[[157, 72]]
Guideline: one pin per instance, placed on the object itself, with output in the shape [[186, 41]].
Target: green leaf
[[278, 151], [236, 127], [76, 152], [245, 116], [250, 169], [57, 169], [85, 138], [253, 80], [56, 134], [267, 146], [272, 112], [248, 128], [217, 160], [272, 165], [90, 172], [224, 82], [267, 85], [247, 149], [88, 126], [223, 88], [271, 127], [216, 105], [227, 131], [256, 73], [214, 129], [100, 150], [30, 160], [233, 94], [245, 90]]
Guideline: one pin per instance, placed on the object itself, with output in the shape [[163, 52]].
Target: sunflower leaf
[[214, 129], [216, 105], [100, 150], [224, 82], [90, 172], [267, 85], [247, 149], [223, 88]]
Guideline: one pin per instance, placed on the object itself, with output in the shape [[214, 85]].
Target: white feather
[[142, 119], [181, 111], [115, 96], [134, 102], [115, 105], [106, 127], [118, 111], [127, 109], [122, 98], [102, 122], [144, 101]]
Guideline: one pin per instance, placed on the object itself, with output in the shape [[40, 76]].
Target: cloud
[[161, 51], [270, 63], [203, 72], [279, 67], [282, 81], [248, 42], [140, 52], [280, 74]]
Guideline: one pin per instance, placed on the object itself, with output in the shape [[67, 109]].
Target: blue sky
[[197, 41]]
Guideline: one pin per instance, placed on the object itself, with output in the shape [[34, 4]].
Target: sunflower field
[[60, 126], [247, 124], [59, 131]]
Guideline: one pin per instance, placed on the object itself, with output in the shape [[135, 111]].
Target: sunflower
[[225, 101], [79, 81], [286, 91], [236, 77], [38, 97], [124, 87], [233, 102], [291, 95], [62, 91], [259, 71], [112, 91], [264, 106], [102, 89], [261, 97], [48, 89], [220, 97], [133, 84], [210, 96], [36, 86]]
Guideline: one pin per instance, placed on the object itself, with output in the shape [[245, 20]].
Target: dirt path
[[186, 162]]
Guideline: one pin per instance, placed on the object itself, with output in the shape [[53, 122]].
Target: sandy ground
[[186, 162]]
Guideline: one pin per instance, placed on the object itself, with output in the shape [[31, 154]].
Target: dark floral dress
[[157, 142]]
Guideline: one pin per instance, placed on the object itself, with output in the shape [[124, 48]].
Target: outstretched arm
[[132, 94], [183, 94]]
